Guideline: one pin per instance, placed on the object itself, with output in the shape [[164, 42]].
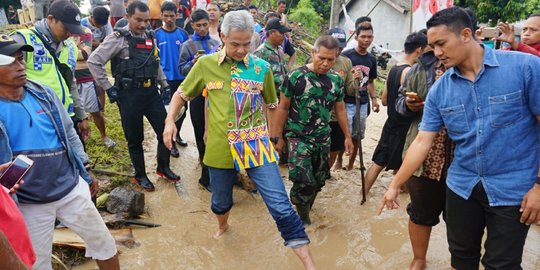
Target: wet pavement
[[344, 234]]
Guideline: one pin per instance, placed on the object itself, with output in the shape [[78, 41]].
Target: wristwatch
[[275, 140]]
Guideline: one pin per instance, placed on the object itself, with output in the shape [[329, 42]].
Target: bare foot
[[338, 165], [418, 264], [221, 231], [349, 167]]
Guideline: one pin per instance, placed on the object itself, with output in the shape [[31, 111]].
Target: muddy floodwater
[[344, 234]]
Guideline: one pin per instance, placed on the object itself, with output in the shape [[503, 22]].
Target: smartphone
[[414, 96], [201, 52], [15, 172], [490, 32]]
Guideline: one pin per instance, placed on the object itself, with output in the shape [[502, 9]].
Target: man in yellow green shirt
[[240, 87]]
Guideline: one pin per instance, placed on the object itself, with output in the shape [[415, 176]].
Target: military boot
[[312, 201], [303, 212]]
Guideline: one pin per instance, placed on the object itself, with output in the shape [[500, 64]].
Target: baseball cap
[[6, 60], [275, 24], [8, 47], [69, 14], [340, 35]]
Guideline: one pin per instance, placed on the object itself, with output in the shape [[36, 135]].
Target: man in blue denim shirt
[[490, 103]]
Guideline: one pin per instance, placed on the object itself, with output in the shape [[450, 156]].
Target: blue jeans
[[351, 118], [269, 183]]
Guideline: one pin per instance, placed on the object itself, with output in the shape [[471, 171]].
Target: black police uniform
[[136, 81]]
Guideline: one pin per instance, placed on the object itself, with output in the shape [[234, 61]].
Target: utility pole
[[334, 13]]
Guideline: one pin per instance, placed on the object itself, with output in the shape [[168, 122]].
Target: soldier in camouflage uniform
[[311, 93], [270, 51]]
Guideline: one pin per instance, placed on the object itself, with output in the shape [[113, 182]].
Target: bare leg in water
[[371, 175], [302, 252], [352, 158], [222, 223], [419, 236], [304, 255], [333, 156]]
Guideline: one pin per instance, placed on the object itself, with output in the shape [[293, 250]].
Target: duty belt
[[143, 83]]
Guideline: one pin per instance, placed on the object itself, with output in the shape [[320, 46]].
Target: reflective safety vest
[[40, 66]]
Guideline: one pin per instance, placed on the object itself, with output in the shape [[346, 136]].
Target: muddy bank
[[344, 234]]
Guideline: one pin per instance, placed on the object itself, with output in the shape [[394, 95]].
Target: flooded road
[[344, 234]]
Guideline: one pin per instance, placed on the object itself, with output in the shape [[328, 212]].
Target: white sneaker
[[108, 142]]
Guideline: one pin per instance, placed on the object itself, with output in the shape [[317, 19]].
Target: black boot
[[168, 174], [144, 182], [163, 161], [204, 181], [180, 141], [174, 152], [303, 212], [312, 201], [137, 159]]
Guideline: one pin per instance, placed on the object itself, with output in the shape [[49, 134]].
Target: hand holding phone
[[414, 102], [15, 172], [490, 32], [198, 55], [414, 96]]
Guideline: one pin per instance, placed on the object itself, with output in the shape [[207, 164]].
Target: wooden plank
[[65, 237]]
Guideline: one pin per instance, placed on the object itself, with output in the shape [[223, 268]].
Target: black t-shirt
[[368, 64], [393, 82], [288, 48]]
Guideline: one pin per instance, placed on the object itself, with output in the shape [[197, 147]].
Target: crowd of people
[[453, 110]]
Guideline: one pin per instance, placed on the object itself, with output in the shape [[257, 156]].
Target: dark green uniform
[[276, 59], [312, 99]]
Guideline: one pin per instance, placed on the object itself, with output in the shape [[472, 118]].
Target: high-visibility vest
[[40, 66]]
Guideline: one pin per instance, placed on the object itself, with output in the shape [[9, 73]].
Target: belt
[[144, 83]]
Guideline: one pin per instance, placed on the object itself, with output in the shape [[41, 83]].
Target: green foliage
[[306, 15], [501, 10], [379, 86], [533, 7], [116, 159], [322, 7]]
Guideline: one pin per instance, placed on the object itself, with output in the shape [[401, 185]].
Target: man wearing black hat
[[269, 51], [53, 61], [36, 124]]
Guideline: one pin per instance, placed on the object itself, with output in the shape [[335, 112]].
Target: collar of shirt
[[223, 56], [43, 28], [269, 46], [133, 34], [197, 37], [489, 60]]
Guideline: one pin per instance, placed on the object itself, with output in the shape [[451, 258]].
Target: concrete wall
[[389, 25]]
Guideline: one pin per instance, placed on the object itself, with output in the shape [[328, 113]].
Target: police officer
[[136, 69], [53, 60]]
